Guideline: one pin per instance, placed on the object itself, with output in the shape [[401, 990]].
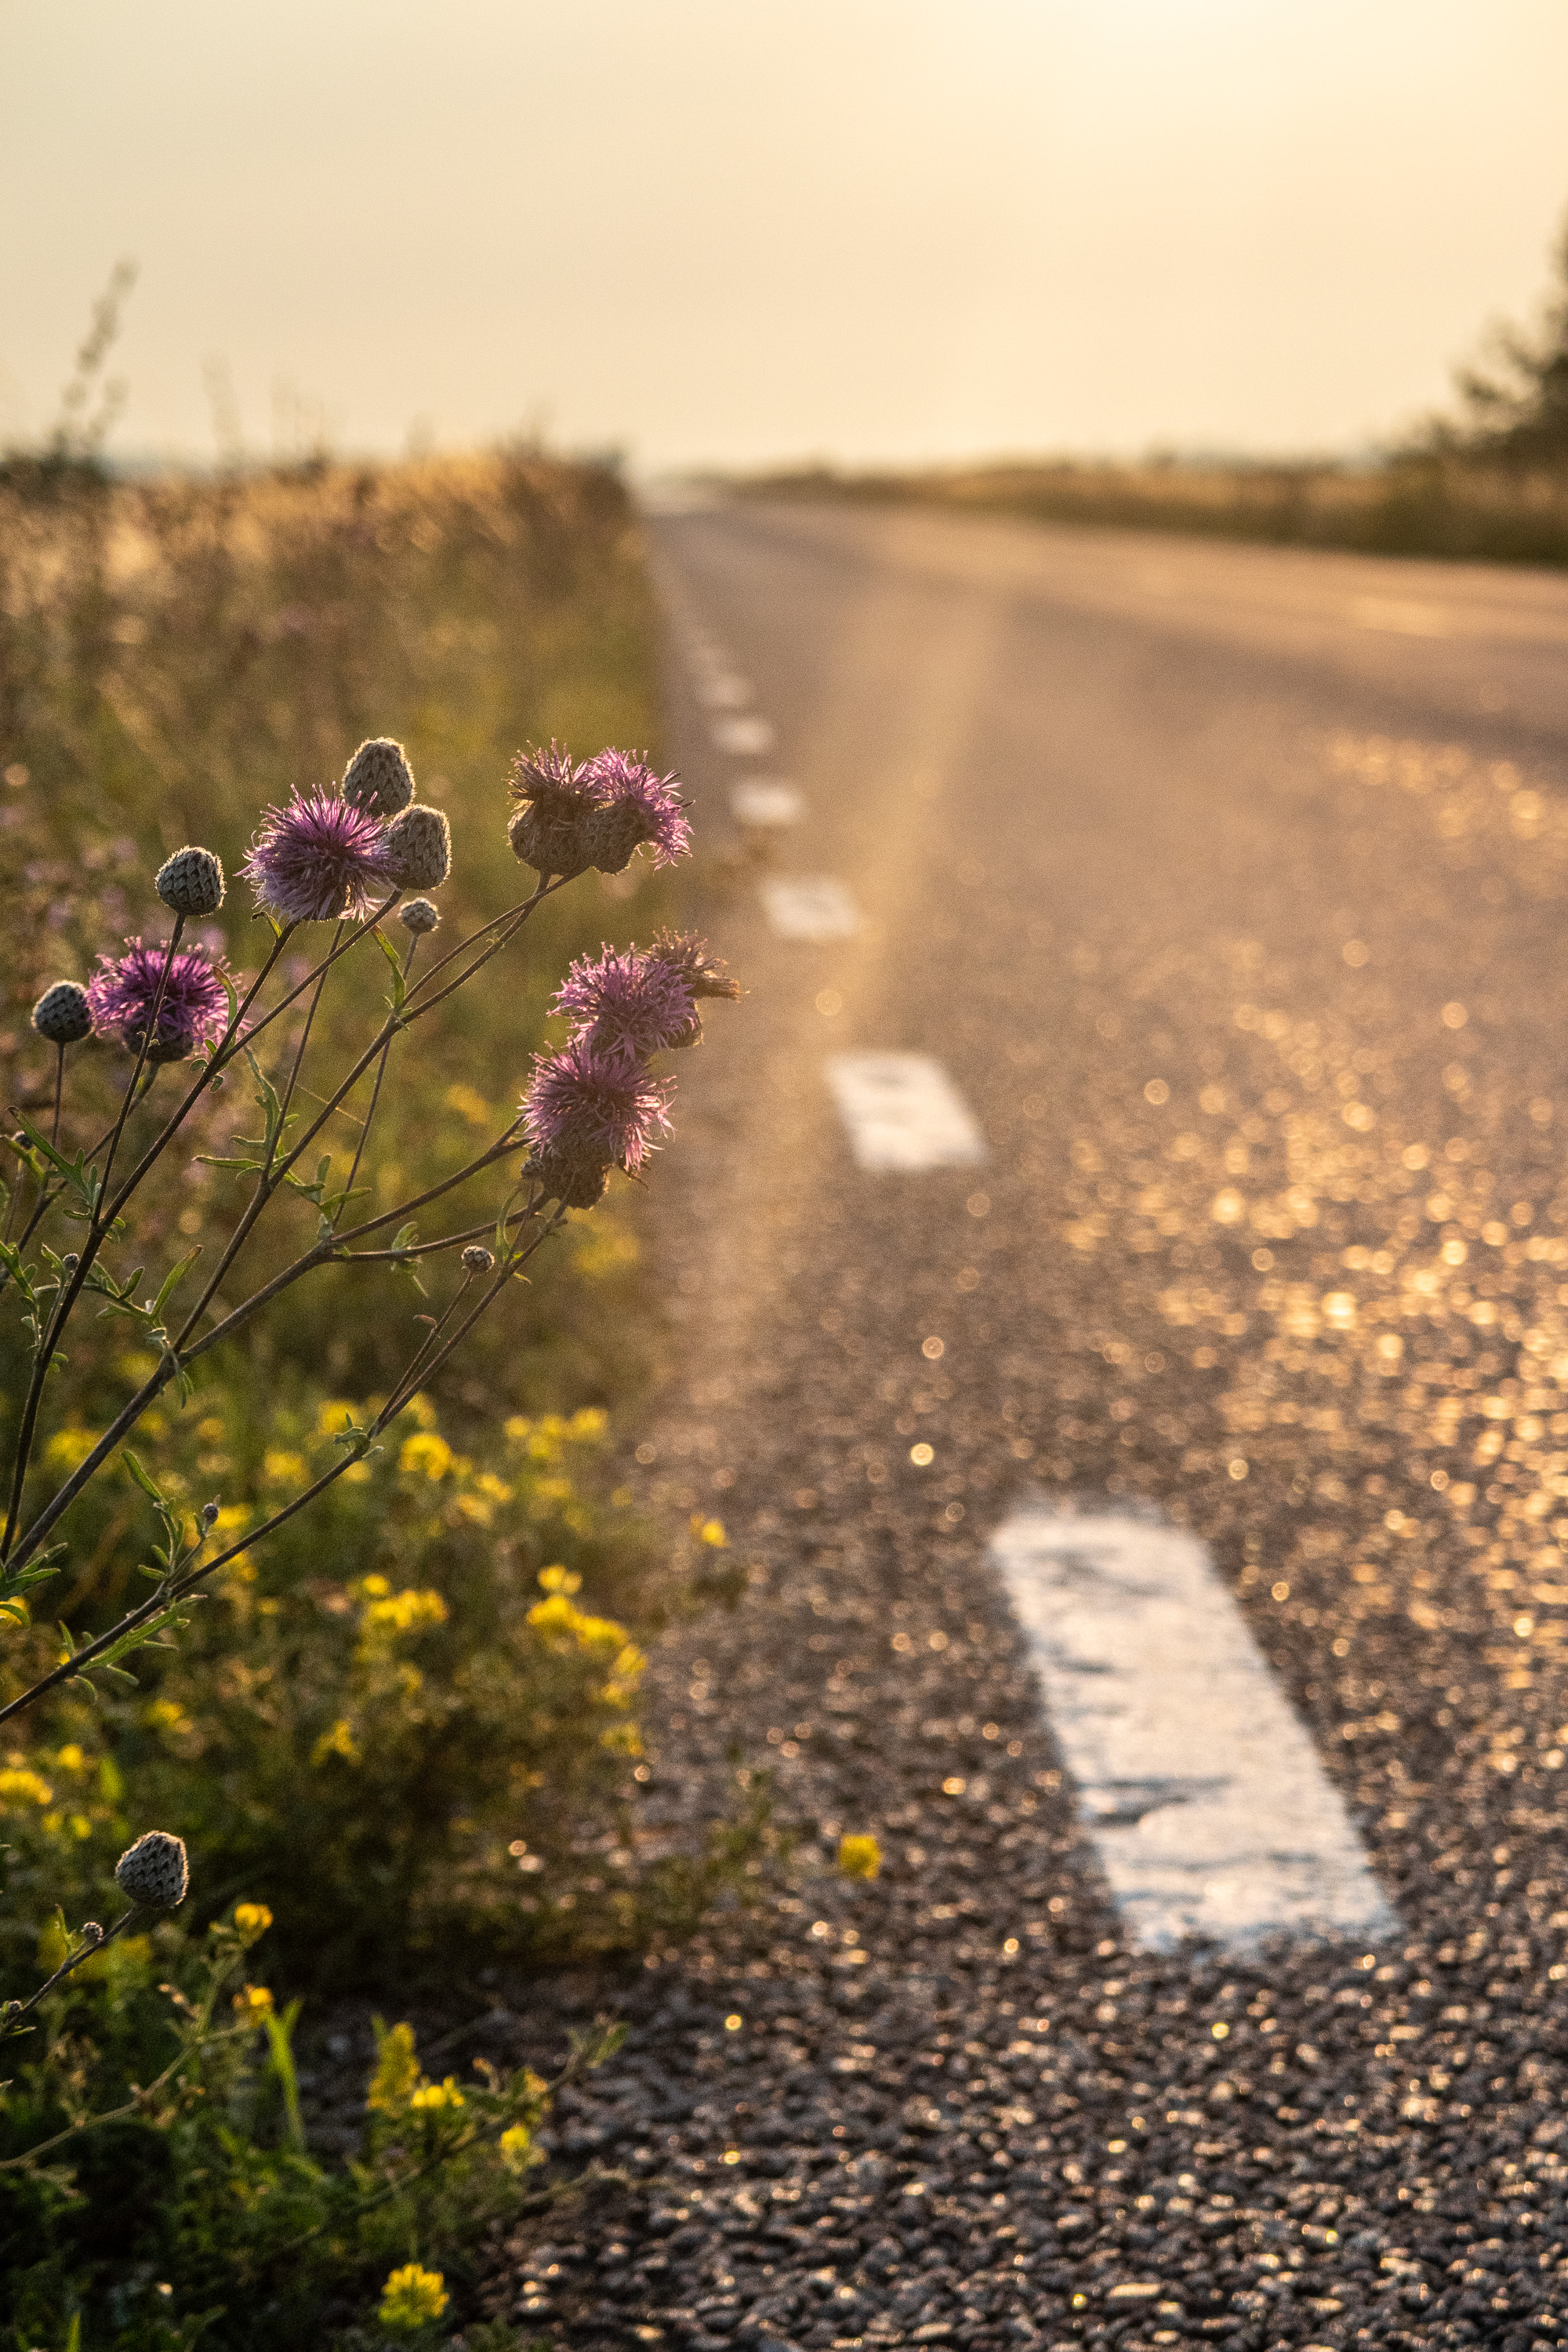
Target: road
[[1225, 888]]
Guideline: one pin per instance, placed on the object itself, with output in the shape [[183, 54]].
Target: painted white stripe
[[903, 1111], [722, 689], [1210, 1809], [749, 737], [764, 803], [810, 906]]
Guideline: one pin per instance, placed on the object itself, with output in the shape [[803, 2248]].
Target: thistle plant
[[349, 856]]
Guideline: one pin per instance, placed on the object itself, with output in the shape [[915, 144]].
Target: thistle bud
[[613, 833], [419, 916], [191, 881], [379, 778], [62, 1014], [555, 802], [155, 1872], [478, 1260], [209, 1514], [418, 847], [576, 1183]]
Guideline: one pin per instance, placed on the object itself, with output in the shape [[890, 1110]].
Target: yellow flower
[[427, 1455], [471, 1105], [252, 1919], [709, 1531], [860, 1857], [70, 1759], [437, 2095], [18, 1786], [68, 1448], [515, 2148], [411, 2297], [396, 2075], [280, 1467], [253, 2003], [333, 1416], [559, 1579], [339, 1741]]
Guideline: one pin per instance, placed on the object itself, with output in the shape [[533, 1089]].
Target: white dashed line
[[904, 1112], [1210, 1809], [721, 689], [810, 906], [749, 738], [764, 804]]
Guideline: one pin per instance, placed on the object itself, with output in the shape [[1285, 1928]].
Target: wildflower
[[704, 974], [430, 2096], [515, 2148], [155, 1872], [476, 1259], [252, 1919], [192, 1008], [396, 2075], [191, 882], [419, 847], [320, 857], [379, 778], [253, 2004], [635, 807], [584, 1114], [411, 2298], [860, 1857], [555, 803], [627, 1006], [63, 1014], [419, 916], [19, 1785]]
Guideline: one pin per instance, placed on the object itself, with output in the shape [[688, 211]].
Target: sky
[[737, 232]]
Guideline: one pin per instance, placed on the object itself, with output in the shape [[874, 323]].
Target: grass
[[1439, 503]]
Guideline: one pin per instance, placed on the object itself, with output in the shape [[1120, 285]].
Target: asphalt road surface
[[1224, 889]]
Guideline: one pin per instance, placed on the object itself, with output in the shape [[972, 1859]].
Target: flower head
[[191, 1008], [62, 1015], [411, 2297], [553, 804], [635, 805], [419, 915], [627, 1006], [155, 1870], [379, 778], [419, 847], [320, 857], [860, 1857], [704, 974], [585, 1112], [191, 881]]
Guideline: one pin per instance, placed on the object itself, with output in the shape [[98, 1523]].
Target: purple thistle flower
[[638, 805], [585, 1110], [627, 1006], [193, 1010], [321, 858], [553, 808], [704, 974]]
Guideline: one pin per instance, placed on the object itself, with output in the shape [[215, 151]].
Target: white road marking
[[1211, 1811], [749, 737], [810, 906], [764, 803], [723, 690], [904, 1112]]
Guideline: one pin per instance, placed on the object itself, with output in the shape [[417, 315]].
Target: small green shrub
[[156, 2190]]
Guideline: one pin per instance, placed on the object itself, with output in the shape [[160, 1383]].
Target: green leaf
[[143, 1479], [399, 985], [174, 1276]]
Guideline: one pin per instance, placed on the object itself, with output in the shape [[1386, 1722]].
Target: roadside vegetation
[[1488, 483], [399, 1737]]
